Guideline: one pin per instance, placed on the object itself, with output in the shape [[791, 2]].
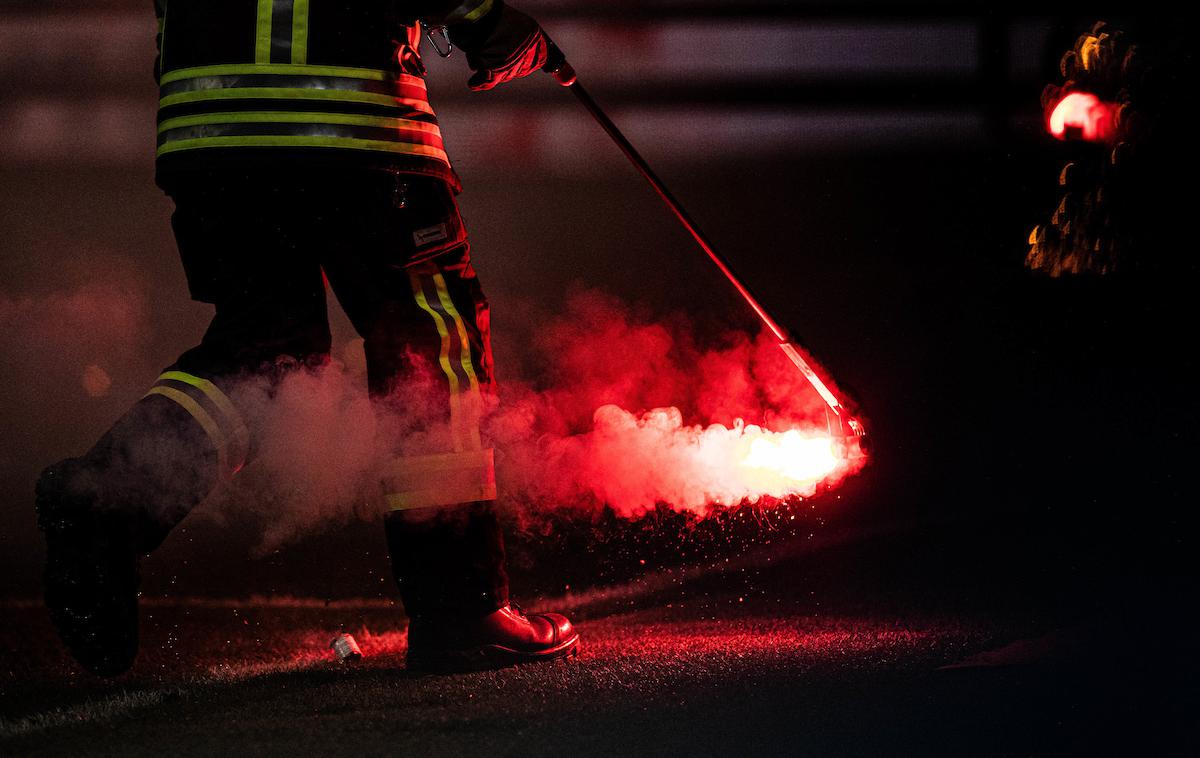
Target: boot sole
[[99, 628], [488, 657], [101, 634]]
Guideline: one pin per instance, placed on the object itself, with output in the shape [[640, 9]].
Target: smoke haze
[[614, 409], [75, 334], [601, 404]]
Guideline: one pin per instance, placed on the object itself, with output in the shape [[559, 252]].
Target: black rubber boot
[[91, 577], [448, 561]]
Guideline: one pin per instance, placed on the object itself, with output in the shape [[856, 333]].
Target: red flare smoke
[[636, 462]]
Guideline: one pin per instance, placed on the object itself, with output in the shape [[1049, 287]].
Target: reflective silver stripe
[[287, 81], [440, 479], [298, 117], [400, 107], [236, 69], [297, 82], [281, 30]]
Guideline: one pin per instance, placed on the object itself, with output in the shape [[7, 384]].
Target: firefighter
[[298, 144]]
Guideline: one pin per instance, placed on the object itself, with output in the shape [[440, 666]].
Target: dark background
[[873, 169]]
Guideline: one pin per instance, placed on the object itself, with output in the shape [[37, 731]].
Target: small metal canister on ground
[[346, 648]]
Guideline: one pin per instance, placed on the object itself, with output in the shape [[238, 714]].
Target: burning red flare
[[789, 462], [655, 457], [1082, 114]]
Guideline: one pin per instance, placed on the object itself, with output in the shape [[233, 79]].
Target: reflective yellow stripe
[[443, 358], [162, 36], [345, 143], [479, 12], [282, 117], [293, 93], [300, 32], [448, 305], [286, 69], [233, 419], [433, 498], [262, 44], [468, 423], [408, 472], [205, 421], [440, 479]]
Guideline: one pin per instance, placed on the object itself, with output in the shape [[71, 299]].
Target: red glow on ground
[[1084, 115], [750, 640]]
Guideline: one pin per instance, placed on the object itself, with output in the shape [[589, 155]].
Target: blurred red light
[[1082, 115]]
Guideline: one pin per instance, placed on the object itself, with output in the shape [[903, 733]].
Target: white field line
[[104, 709], [124, 703]]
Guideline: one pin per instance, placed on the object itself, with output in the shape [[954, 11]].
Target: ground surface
[[781, 653]]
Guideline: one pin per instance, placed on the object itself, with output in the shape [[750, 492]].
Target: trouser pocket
[[425, 219]]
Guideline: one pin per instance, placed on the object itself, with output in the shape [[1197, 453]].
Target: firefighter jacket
[[299, 83]]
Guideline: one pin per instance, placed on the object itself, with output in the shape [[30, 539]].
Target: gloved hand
[[503, 45]]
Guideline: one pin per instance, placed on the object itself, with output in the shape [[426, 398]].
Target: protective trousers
[[394, 251]]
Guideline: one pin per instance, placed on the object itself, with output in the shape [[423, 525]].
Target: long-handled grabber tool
[[842, 422]]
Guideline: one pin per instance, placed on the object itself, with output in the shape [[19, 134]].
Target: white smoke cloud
[[623, 412]]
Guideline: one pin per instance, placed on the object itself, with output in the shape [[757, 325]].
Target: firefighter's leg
[[248, 250], [443, 534], [167, 453], [425, 324], [426, 340]]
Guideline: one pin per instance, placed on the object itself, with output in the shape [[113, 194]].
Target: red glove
[[503, 45]]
